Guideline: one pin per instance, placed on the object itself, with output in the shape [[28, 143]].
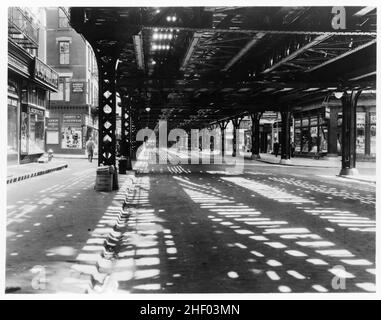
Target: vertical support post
[[367, 134], [126, 133], [348, 149], [255, 141], [332, 133], [236, 122], [107, 106], [285, 141], [189, 144], [223, 125]]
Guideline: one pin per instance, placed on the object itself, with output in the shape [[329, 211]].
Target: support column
[[236, 122], [332, 133], [126, 133], [107, 108], [255, 141], [223, 125], [348, 148], [285, 141], [367, 134], [189, 144]]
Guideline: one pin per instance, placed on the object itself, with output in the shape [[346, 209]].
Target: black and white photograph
[[205, 149]]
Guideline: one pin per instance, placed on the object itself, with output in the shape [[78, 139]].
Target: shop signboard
[[52, 124], [45, 74], [72, 119], [52, 133], [313, 121], [77, 87], [36, 111], [270, 115], [245, 124], [305, 122]]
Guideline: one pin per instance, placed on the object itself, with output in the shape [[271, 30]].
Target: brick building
[[73, 108]]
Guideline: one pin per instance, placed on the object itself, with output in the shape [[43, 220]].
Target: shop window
[[360, 134], [313, 143], [297, 140], [373, 134], [12, 126], [323, 139], [64, 52], [305, 140], [36, 131], [71, 131]]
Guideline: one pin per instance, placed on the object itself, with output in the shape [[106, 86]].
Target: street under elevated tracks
[[232, 226], [197, 229]]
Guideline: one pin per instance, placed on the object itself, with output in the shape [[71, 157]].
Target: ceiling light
[[338, 94]]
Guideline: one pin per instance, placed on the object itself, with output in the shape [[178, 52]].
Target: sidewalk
[[29, 170], [326, 163], [72, 156]]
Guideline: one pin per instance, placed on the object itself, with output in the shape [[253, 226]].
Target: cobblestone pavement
[[204, 229], [270, 229]]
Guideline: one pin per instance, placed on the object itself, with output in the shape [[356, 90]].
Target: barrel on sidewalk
[[124, 164], [106, 179]]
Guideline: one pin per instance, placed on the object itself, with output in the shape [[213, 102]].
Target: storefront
[[29, 81], [13, 124], [68, 130], [318, 132], [311, 133]]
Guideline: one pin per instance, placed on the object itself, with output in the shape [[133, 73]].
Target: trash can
[[114, 173], [104, 180], [123, 165]]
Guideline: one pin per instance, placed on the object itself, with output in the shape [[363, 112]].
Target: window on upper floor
[[64, 52], [63, 93], [63, 21]]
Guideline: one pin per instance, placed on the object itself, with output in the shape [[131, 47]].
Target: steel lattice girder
[[220, 46]]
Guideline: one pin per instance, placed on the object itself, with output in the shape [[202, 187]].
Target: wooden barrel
[[104, 182]]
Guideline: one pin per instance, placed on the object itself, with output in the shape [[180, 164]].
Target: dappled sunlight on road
[[286, 242]]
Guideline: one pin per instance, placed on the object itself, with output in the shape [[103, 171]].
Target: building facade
[[73, 108], [30, 80], [318, 128]]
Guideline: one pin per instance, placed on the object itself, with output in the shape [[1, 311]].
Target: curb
[[105, 257], [105, 262], [35, 174], [293, 165], [357, 179]]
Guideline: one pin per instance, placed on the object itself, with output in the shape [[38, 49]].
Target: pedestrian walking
[[292, 149], [90, 146], [276, 148]]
